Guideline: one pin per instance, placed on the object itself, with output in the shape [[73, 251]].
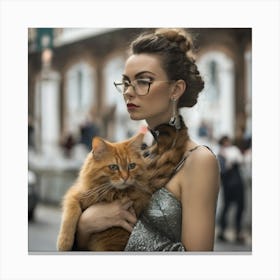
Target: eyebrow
[[139, 74]]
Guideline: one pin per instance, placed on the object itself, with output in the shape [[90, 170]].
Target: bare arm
[[199, 191], [102, 216]]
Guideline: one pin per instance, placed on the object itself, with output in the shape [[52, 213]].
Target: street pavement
[[43, 231]]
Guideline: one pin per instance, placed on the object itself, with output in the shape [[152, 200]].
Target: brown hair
[[175, 47]]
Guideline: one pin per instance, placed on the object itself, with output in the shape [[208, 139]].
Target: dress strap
[[178, 166], [193, 149], [182, 161]]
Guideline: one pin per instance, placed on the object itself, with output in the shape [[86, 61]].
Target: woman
[[160, 76]]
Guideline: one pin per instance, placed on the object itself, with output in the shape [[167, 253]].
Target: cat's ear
[[99, 147], [136, 141]]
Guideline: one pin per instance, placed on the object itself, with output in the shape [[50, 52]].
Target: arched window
[[80, 94], [216, 103]]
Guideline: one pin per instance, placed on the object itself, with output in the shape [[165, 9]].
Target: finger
[[132, 211], [127, 205], [125, 225], [125, 200], [129, 217], [132, 225]]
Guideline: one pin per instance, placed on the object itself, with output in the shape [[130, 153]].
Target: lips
[[131, 106]]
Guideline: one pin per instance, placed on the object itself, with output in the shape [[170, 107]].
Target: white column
[[227, 101], [49, 105]]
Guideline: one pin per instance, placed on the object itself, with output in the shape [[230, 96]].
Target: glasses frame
[[131, 83]]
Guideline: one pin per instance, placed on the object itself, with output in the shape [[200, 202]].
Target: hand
[[102, 216]]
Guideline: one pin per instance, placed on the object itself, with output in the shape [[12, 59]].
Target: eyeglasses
[[140, 86]]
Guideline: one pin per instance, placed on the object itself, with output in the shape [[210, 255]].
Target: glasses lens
[[142, 86], [119, 86]]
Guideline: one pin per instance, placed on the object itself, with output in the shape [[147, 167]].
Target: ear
[[137, 141], [178, 89], [99, 147]]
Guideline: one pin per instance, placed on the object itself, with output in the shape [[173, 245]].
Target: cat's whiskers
[[103, 189], [100, 190]]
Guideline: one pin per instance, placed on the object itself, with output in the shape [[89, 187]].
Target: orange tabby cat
[[110, 172], [115, 170]]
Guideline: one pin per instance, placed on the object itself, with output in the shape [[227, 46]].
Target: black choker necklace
[[164, 129]]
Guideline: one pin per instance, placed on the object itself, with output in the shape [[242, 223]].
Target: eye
[[126, 84], [131, 166], [143, 82], [114, 167]]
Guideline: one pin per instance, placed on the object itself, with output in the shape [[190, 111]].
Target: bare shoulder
[[201, 171], [203, 157]]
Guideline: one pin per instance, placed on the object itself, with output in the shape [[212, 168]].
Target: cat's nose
[[124, 175]]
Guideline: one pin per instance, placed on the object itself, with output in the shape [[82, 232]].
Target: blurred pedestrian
[[88, 130], [231, 159], [204, 129], [247, 163], [68, 144], [31, 141], [247, 178]]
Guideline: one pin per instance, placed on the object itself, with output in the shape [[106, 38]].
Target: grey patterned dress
[[159, 227]]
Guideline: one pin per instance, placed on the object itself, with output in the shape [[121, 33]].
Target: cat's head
[[121, 163]]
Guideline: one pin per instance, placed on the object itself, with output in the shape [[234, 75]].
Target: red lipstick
[[131, 106]]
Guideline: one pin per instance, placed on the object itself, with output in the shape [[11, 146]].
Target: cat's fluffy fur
[[99, 181]]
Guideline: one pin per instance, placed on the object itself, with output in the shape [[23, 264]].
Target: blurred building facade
[[70, 82]]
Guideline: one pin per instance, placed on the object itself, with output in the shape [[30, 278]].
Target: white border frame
[[261, 16]]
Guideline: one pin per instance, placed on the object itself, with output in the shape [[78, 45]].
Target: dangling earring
[[175, 120]]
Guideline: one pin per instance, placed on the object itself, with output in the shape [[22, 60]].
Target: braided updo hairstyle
[[175, 47]]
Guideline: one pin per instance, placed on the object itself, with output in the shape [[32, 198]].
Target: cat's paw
[[65, 242]]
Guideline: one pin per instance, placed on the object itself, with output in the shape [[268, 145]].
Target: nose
[[130, 91], [124, 175]]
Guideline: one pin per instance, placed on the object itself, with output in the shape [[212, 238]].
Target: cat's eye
[[114, 167], [131, 166]]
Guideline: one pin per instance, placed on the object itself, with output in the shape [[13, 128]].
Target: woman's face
[[155, 107]]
